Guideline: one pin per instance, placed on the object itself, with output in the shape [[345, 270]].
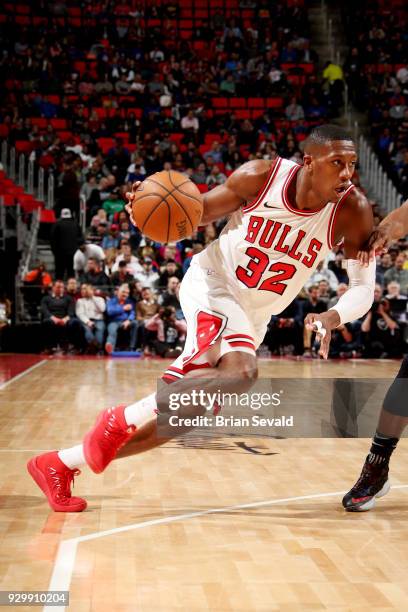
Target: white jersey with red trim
[[268, 249]]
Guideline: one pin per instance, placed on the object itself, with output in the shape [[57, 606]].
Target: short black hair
[[322, 134]]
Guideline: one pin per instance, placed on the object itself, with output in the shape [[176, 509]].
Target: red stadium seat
[[47, 216], [123, 135], [243, 114], [74, 11], [22, 9], [8, 199], [40, 121], [22, 20], [23, 146], [274, 102], [4, 130], [237, 102], [59, 124], [220, 102], [256, 103]]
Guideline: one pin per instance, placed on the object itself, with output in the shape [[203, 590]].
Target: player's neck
[[301, 194]]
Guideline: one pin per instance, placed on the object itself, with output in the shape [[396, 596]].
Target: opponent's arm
[[243, 185], [393, 227], [355, 224]]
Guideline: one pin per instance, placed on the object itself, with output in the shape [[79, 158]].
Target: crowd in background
[[377, 75], [113, 289]]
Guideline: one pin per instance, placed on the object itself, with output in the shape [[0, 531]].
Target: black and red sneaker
[[373, 483]]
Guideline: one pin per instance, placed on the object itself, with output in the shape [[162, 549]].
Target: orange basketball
[[167, 206]]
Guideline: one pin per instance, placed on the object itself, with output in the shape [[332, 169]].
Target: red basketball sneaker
[[108, 435], [54, 479]]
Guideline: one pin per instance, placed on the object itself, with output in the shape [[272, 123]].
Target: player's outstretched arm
[[243, 185], [355, 225], [392, 227]]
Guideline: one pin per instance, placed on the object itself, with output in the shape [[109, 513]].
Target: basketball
[[167, 206]]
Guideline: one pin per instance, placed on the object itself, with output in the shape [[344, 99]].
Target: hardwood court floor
[[233, 525]]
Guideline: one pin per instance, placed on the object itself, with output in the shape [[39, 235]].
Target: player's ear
[[307, 161]]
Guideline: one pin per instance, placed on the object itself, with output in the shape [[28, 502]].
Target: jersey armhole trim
[[333, 218], [269, 180]]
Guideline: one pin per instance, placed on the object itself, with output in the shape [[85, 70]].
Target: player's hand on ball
[[320, 324], [130, 196]]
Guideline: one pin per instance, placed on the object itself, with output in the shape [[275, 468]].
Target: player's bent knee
[[239, 365]]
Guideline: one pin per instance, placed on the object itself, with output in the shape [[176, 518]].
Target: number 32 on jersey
[[257, 265]]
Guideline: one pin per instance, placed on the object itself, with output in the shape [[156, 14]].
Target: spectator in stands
[[65, 236], [167, 334], [216, 177], [169, 270], [5, 314], [89, 186], [195, 249], [294, 111], [36, 284], [215, 151], [312, 304], [383, 266], [380, 332], [170, 297], [325, 293], [95, 276], [341, 288], [147, 306], [112, 239], [67, 192], [322, 273], [72, 289], [286, 330], [133, 265], [90, 311], [60, 327], [121, 315], [333, 75], [345, 342], [83, 253], [148, 277], [99, 217], [39, 276], [122, 275], [190, 123], [118, 161], [336, 266], [398, 273], [398, 303], [114, 203], [199, 175]]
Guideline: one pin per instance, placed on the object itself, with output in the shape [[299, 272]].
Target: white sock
[[142, 411], [73, 457]]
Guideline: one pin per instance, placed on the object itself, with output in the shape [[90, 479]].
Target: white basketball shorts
[[216, 323]]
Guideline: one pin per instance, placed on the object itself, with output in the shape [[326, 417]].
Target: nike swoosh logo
[[268, 205]]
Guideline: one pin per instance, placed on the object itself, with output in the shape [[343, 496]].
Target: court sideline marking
[[65, 559], [23, 373]]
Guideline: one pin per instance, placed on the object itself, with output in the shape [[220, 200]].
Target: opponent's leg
[[373, 481]]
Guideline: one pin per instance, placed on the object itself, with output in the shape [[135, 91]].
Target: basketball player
[[284, 219], [373, 481]]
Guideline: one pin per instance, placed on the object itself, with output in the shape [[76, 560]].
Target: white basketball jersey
[[268, 249]]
